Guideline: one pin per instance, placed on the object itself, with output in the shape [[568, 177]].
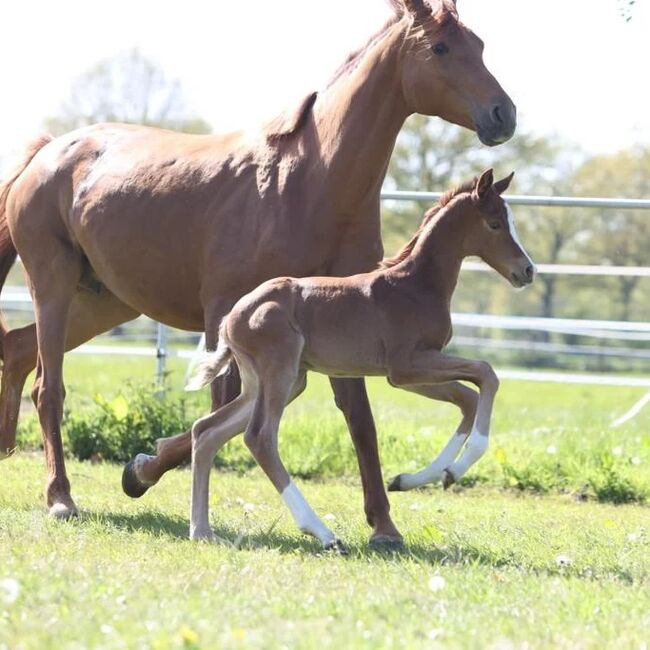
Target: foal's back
[[344, 327]]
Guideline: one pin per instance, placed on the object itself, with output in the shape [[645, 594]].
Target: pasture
[[530, 550]]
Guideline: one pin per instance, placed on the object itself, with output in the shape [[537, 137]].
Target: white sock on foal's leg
[[476, 446], [433, 472], [306, 519]]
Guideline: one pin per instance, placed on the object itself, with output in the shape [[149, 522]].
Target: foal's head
[[444, 74], [490, 231]]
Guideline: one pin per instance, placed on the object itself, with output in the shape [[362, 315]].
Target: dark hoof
[[131, 484], [386, 544], [396, 484], [337, 546], [447, 479]]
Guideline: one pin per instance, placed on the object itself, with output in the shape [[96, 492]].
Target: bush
[[130, 423]]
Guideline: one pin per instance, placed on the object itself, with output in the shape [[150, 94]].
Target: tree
[[126, 88], [618, 237]]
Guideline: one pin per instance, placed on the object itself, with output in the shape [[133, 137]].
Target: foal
[[391, 322]]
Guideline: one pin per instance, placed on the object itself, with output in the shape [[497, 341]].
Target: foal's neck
[[357, 120], [434, 265]]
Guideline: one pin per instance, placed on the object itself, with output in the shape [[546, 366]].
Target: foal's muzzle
[[524, 275]]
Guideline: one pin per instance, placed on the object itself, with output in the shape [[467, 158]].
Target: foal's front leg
[[466, 399], [435, 367]]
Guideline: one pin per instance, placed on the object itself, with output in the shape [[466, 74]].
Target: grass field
[[529, 552], [481, 569]]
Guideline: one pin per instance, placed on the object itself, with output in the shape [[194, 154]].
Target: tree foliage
[[126, 88]]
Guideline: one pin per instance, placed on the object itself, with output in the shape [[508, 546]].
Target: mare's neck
[[357, 120]]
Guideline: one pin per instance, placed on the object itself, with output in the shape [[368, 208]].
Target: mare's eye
[[440, 49], [495, 225]]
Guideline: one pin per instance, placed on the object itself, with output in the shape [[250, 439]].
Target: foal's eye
[[495, 225], [440, 48]]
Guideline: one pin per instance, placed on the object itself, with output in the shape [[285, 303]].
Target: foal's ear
[[484, 184], [502, 185]]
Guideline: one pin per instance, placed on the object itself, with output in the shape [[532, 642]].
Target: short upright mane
[[407, 249]]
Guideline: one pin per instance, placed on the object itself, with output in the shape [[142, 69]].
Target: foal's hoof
[[337, 547], [131, 484], [395, 484], [63, 511], [447, 479], [386, 543]]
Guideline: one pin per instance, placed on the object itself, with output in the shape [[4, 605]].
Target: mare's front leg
[[352, 398], [435, 367], [466, 400]]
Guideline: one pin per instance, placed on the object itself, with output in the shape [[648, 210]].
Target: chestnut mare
[[392, 322], [112, 221]]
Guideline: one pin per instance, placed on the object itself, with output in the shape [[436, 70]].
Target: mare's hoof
[[131, 484], [202, 535], [386, 543], [395, 484], [63, 512], [337, 547], [447, 479]]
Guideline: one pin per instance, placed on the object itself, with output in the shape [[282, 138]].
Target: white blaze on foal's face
[[513, 233]]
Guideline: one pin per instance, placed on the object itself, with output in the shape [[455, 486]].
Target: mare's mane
[[407, 249], [291, 121]]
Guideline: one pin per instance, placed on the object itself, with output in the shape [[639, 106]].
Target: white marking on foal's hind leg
[[306, 519], [432, 473]]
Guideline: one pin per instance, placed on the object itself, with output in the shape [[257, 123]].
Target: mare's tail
[[215, 364], [7, 249]]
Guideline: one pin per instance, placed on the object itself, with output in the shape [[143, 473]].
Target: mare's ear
[[484, 184], [419, 9], [443, 8], [502, 185]]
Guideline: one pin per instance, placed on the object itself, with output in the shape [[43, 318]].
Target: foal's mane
[[445, 199]]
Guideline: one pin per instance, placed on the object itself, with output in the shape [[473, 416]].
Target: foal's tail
[[8, 251], [214, 365]]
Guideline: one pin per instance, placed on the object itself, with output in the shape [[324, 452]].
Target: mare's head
[[490, 231], [443, 72]]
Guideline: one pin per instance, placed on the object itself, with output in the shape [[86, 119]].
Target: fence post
[[161, 356]]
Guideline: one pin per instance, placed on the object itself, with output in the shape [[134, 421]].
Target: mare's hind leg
[[53, 286], [91, 313], [466, 399], [144, 470]]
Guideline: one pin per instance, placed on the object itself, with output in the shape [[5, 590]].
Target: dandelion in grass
[[563, 561], [635, 460], [9, 590], [330, 517], [249, 508], [437, 583], [551, 450], [617, 451]]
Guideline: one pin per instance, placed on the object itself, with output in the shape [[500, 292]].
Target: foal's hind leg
[[466, 399], [209, 434], [91, 313], [276, 382]]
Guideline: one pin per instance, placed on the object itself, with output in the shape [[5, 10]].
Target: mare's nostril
[[496, 115], [529, 272]]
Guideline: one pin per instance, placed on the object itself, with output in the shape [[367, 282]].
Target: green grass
[[518, 571]]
